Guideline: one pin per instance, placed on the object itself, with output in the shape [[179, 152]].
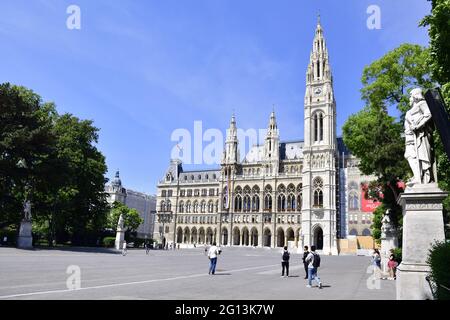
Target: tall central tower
[[319, 169]]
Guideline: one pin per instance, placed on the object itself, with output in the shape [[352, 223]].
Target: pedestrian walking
[[392, 267], [313, 260], [285, 255], [305, 264], [147, 247], [212, 255], [124, 248], [376, 262]]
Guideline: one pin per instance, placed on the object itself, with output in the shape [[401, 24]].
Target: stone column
[[423, 224]]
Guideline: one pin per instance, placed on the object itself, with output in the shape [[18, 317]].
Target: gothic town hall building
[[295, 193]]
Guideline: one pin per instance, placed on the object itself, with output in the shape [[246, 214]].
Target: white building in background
[[145, 204], [291, 193]]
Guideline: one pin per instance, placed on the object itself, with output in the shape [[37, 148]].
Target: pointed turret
[[231, 155], [272, 145]]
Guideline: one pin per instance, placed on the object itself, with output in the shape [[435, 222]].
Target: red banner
[[370, 204]]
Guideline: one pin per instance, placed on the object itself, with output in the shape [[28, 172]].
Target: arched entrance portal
[[318, 238], [280, 238], [187, 234], [236, 237], [194, 235], [179, 235], [290, 236], [267, 237], [201, 235], [224, 236], [245, 237], [254, 237], [209, 236]]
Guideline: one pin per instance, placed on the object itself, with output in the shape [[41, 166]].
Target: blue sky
[[143, 68]]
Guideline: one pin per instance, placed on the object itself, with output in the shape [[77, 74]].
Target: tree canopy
[[373, 134], [53, 161], [131, 217]]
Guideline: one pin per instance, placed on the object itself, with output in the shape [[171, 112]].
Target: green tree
[[131, 217], [80, 200], [61, 163], [25, 137], [438, 22], [375, 136]]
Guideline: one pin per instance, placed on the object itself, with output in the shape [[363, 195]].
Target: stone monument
[[120, 234], [423, 222], [25, 239], [389, 239]]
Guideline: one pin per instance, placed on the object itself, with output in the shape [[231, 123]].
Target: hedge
[[109, 241], [439, 261]]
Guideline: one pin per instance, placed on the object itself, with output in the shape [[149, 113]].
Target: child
[[392, 266]]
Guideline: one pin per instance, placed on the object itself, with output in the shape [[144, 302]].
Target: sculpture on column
[[418, 139], [120, 234], [25, 239], [387, 227], [27, 211], [389, 238], [423, 223]]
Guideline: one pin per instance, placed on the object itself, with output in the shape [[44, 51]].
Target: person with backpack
[[313, 260], [285, 262], [305, 264]]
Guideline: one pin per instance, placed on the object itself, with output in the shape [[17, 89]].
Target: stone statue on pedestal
[[25, 239], [27, 211], [418, 139], [423, 222], [120, 234], [389, 238]]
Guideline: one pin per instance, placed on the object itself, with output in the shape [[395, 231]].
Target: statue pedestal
[[25, 239], [120, 237], [388, 242], [423, 224]]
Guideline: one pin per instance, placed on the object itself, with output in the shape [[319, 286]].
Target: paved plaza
[[242, 273]]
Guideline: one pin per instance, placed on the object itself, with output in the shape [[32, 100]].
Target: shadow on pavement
[[78, 249]]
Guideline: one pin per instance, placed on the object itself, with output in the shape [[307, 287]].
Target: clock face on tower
[[317, 91]]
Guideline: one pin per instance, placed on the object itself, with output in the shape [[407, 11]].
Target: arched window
[[281, 202], [238, 203], [203, 207], [318, 193], [169, 206], [353, 202], [268, 202], [163, 206], [181, 207], [247, 203], [299, 203], [321, 127], [318, 126], [291, 202], [255, 203], [195, 207], [210, 207], [188, 207]]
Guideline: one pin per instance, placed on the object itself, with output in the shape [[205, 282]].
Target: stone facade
[[281, 193], [145, 204]]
